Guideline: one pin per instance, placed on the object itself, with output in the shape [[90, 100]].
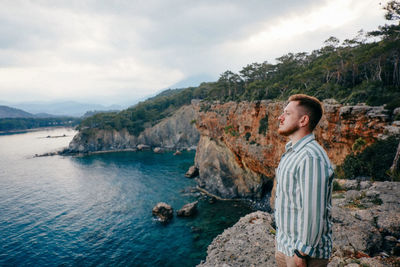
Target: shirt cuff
[[300, 246]]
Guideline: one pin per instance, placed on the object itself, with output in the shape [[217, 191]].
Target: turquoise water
[[96, 210]]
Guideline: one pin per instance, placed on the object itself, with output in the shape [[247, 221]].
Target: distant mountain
[[9, 112], [62, 108]]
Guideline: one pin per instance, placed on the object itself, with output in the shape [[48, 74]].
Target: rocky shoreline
[[366, 230]]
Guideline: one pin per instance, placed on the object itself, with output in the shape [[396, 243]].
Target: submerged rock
[[163, 211], [188, 210]]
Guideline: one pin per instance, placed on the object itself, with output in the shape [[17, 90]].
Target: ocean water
[[96, 210]]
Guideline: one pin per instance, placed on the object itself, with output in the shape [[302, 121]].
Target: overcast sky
[[112, 52]]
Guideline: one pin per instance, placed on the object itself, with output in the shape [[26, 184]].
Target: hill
[[9, 112], [12, 119], [62, 108]]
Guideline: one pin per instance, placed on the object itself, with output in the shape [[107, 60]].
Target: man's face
[[289, 119]]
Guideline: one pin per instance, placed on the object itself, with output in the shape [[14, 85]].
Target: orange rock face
[[249, 131]]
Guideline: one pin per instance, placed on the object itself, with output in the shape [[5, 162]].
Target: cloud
[[118, 50]]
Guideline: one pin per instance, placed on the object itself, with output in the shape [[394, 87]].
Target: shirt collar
[[301, 143]]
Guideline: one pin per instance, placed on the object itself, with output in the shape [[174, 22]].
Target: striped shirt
[[304, 200]]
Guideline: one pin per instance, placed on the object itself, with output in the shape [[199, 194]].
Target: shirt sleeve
[[314, 184]]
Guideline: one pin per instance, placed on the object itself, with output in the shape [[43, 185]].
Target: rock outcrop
[[240, 148], [163, 212], [187, 210], [175, 132], [366, 231], [192, 172], [250, 242]]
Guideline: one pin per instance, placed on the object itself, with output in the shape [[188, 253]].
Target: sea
[[96, 210]]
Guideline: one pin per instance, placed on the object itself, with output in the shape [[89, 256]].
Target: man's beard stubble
[[289, 131]]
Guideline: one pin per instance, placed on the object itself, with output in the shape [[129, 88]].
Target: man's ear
[[304, 120]]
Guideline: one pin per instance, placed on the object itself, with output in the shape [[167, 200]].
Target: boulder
[[188, 210], [158, 150], [143, 147], [192, 172], [163, 211], [177, 153]]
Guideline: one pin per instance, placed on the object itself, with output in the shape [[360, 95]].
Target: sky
[[120, 51]]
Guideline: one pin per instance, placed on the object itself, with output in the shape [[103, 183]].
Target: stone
[[350, 184], [365, 185], [192, 172], [163, 212], [158, 150], [188, 210], [352, 195], [177, 153], [143, 147]]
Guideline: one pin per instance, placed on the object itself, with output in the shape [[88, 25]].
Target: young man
[[304, 188]]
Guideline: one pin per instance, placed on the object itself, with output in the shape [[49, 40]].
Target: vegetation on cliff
[[363, 69], [11, 124], [374, 161]]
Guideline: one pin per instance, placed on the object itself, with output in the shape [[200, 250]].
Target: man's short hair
[[312, 107]]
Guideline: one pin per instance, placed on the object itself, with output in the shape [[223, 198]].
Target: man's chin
[[283, 132], [287, 132]]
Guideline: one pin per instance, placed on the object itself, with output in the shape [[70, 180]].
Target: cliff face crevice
[[176, 132], [239, 145]]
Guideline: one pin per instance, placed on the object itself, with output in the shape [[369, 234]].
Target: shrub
[[374, 161], [263, 125], [248, 135]]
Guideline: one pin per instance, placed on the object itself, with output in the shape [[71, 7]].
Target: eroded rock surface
[[175, 132], [250, 242], [366, 231], [240, 148]]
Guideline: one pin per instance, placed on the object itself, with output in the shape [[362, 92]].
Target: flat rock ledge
[[250, 242], [366, 231]]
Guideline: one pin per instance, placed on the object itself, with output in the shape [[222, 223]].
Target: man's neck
[[296, 136]]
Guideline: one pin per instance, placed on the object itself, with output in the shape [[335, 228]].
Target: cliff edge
[[366, 231], [175, 132], [239, 147]]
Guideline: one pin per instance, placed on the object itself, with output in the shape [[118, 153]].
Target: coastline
[[21, 131]]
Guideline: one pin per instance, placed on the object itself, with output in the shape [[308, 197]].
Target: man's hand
[[299, 261]]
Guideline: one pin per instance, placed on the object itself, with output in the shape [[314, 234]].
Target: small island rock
[[163, 211], [188, 210]]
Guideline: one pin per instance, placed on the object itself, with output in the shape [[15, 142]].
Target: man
[[304, 189]]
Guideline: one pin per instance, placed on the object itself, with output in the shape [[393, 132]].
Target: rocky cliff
[[175, 132], [240, 148], [366, 231]]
